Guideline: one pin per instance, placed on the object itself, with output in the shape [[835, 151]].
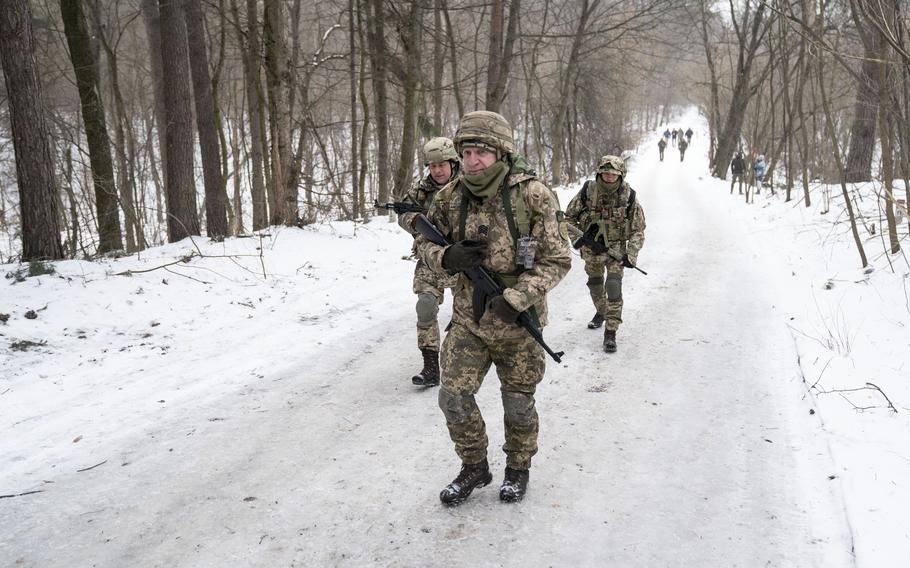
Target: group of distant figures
[[738, 172], [678, 139]]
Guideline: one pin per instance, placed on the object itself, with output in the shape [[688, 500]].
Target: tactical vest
[[519, 224], [614, 220]]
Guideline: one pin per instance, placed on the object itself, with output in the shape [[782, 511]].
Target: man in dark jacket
[[737, 168]]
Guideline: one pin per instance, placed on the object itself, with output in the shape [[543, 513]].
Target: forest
[[128, 124]]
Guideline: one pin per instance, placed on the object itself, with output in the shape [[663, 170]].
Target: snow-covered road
[[294, 438]]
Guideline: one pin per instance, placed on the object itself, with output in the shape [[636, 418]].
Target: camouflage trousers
[[429, 287], [520, 364], [606, 295]]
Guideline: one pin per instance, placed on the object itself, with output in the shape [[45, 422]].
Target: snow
[[253, 405]]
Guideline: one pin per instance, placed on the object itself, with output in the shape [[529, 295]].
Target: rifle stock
[[485, 282]]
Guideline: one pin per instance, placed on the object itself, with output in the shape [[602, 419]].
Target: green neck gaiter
[[606, 190], [486, 183]]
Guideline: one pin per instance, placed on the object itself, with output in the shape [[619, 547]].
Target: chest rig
[[612, 216]]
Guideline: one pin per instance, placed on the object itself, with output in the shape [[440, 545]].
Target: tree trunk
[[865, 115], [278, 74], [31, 137], [356, 208], [125, 139], [182, 218], [453, 60], [410, 41], [99, 148], [152, 21], [215, 214], [376, 25], [730, 134], [884, 111]]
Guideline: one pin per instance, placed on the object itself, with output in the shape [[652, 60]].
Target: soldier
[[608, 207], [661, 144], [499, 216], [442, 161], [682, 147]]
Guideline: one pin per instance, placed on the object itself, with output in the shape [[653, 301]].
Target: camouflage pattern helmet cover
[[613, 164], [439, 149], [487, 129]]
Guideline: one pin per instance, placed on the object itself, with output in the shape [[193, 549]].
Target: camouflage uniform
[[471, 347], [429, 285], [623, 234]]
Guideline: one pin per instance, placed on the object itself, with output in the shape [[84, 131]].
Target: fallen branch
[[183, 259], [21, 494], [91, 467]]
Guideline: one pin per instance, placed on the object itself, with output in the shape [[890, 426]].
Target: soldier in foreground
[[607, 210], [500, 217], [441, 160]]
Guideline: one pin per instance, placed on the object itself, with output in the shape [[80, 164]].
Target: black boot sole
[[592, 325]]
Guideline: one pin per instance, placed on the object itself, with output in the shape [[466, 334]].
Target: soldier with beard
[[499, 216], [442, 162], [608, 208]]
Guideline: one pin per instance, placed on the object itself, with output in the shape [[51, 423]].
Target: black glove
[[626, 262], [503, 309], [464, 255]]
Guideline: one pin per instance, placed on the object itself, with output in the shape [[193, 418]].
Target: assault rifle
[[400, 207], [588, 239], [485, 284]]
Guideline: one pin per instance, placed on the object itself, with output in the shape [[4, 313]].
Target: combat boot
[[610, 341], [514, 485], [429, 376], [596, 321], [471, 477]]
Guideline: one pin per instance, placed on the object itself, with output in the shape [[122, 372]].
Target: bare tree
[[215, 214], [99, 149], [31, 140], [749, 33], [182, 218]]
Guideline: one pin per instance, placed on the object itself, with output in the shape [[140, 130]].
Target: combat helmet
[[613, 164], [439, 149], [485, 129]]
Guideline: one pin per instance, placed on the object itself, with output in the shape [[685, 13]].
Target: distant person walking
[[759, 170], [673, 135], [689, 135], [682, 148], [667, 134], [661, 146], [737, 169]]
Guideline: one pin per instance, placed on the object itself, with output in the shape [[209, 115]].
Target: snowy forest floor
[[252, 406]]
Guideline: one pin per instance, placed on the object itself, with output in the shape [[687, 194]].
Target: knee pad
[[595, 281], [456, 407], [614, 287], [518, 407], [427, 308]]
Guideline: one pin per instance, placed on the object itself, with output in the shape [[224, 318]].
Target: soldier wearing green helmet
[[607, 207], [499, 216], [441, 160]]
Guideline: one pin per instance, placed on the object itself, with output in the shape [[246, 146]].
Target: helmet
[[613, 164], [438, 149], [485, 129], [761, 157]]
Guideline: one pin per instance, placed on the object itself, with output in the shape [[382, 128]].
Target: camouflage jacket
[[524, 288], [623, 231], [421, 194]]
